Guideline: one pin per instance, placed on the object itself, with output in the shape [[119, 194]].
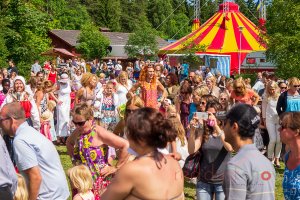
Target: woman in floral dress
[[89, 145]]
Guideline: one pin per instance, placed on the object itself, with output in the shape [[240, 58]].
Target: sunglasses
[[283, 87], [202, 103], [296, 86], [238, 87], [78, 123], [223, 99]]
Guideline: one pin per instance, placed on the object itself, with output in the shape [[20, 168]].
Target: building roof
[[116, 38], [69, 36]]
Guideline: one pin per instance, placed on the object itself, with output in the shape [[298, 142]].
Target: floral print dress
[[95, 158]]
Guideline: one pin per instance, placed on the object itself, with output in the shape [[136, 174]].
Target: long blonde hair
[[81, 178], [177, 125], [272, 84], [21, 192]]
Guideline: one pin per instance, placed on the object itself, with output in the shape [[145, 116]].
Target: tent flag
[[259, 4]]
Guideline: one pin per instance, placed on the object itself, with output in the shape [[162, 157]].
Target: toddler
[[21, 192], [81, 180]]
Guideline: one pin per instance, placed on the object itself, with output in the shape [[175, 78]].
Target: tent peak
[[233, 7]]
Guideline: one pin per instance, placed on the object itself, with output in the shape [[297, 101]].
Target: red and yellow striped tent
[[225, 33]]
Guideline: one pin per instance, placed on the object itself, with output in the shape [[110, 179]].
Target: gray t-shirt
[[213, 162], [249, 175], [33, 149], [8, 177]]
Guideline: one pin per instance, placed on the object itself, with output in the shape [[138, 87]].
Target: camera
[[221, 115]]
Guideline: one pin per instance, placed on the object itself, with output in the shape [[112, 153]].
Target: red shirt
[[52, 77]]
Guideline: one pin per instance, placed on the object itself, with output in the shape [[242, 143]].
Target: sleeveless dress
[[63, 110], [87, 196], [149, 94], [108, 113], [95, 158], [122, 91], [52, 76]]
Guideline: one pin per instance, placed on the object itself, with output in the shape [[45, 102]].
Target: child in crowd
[[164, 106], [81, 180], [106, 107], [21, 192], [46, 117], [51, 106]]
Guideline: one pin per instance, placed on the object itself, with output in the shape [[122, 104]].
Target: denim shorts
[[206, 191]]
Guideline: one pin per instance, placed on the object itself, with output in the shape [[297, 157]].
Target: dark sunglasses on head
[[78, 123]]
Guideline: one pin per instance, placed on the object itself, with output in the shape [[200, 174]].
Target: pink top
[[86, 196], [149, 94]]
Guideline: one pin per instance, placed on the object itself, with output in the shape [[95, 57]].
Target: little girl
[[21, 192], [81, 180], [46, 117], [51, 106], [106, 107]]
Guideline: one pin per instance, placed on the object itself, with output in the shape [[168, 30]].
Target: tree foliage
[[142, 43], [92, 43], [284, 36], [25, 23]]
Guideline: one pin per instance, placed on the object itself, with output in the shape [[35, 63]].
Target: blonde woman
[[81, 180], [289, 101], [86, 94], [243, 95], [21, 192], [271, 121], [211, 84], [123, 86]]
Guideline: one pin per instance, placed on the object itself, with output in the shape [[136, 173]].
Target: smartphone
[[202, 115]]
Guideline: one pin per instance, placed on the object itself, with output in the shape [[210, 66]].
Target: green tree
[[133, 14], [105, 13], [159, 14], [92, 44], [142, 43], [27, 31], [283, 29]]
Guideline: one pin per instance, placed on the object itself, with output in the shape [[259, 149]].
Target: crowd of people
[[129, 129]]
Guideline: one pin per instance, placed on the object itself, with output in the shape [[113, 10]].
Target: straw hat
[[47, 115]]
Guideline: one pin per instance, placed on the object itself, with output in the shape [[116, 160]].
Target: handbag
[[191, 167]]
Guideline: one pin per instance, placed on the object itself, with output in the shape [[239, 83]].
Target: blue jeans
[[206, 191]]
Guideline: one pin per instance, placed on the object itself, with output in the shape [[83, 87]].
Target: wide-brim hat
[[64, 78], [47, 115]]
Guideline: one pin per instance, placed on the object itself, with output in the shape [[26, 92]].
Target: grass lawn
[[189, 188]]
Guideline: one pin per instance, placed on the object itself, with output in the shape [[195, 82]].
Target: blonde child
[[46, 117], [51, 106], [21, 192], [81, 180]]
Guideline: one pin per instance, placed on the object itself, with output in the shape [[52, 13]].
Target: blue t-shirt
[[293, 103], [291, 182]]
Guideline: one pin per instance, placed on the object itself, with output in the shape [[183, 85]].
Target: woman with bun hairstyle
[[148, 130], [208, 136]]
